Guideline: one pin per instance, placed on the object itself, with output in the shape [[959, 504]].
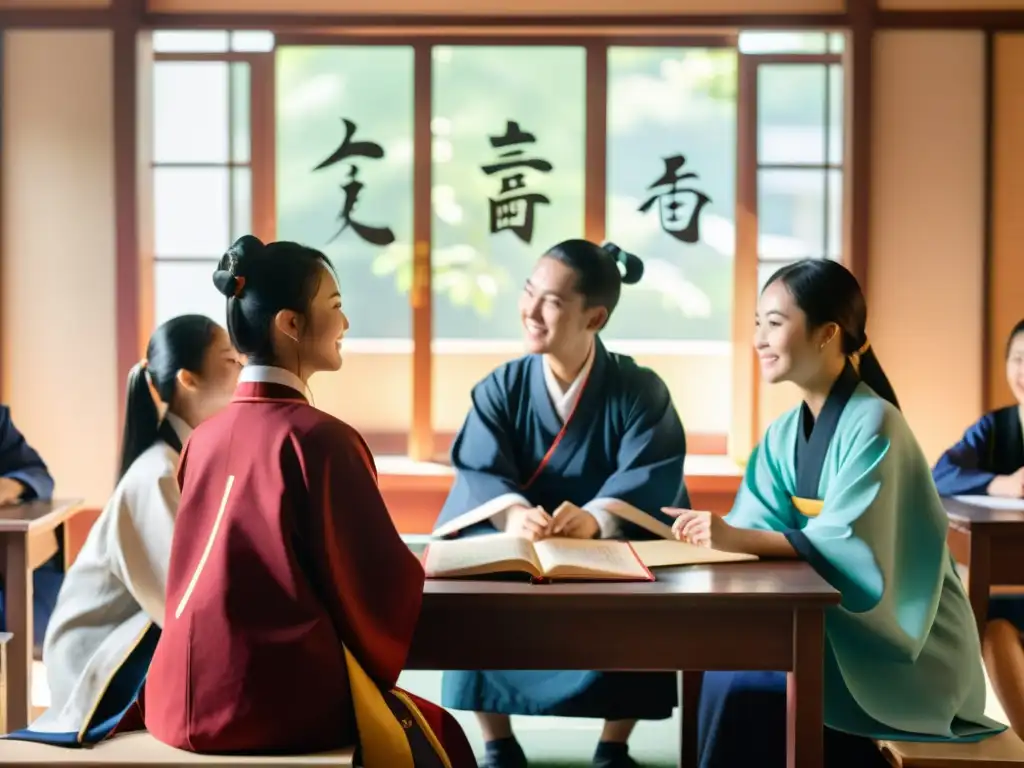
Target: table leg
[[979, 578], [805, 730], [18, 604], [689, 703]]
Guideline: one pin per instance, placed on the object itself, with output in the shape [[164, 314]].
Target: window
[[310, 140], [345, 140], [798, 176], [487, 231], [202, 162]]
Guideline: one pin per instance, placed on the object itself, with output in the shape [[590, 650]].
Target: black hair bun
[[226, 283], [245, 246], [229, 275], [632, 265]]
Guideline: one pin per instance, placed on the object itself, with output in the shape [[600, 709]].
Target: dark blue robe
[[994, 445], [624, 441], [19, 461]]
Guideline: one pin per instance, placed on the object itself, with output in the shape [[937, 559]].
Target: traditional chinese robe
[[854, 496], [291, 598], [612, 444]]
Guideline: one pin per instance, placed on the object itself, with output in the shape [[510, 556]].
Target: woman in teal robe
[[841, 482]]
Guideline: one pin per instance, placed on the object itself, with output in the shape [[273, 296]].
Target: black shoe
[[613, 754], [503, 753]]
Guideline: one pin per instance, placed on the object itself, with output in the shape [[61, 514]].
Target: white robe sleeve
[[140, 543]]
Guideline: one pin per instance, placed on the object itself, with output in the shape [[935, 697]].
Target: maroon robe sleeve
[[371, 582]]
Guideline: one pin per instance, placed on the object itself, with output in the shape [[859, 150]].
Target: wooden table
[[27, 540], [988, 540], [742, 616]]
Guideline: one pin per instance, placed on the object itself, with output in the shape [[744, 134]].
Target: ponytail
[[178, 344], [871, 373], [141, 418]]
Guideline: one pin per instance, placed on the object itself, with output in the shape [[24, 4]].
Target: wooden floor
[[549, 742]]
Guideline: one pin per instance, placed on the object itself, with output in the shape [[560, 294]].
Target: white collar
[[271, 374], [179, 425], [565, 401]]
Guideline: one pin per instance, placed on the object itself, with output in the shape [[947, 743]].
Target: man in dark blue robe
[[571, 440], [24, 477]]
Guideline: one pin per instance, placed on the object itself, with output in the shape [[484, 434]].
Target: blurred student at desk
[[989, 459], [570, 440], [24, 477]]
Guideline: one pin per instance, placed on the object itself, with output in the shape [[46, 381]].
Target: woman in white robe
[[110, 608]]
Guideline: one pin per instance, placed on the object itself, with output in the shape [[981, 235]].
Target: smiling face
[[325, 327], [554, 314], [1015, 367], [786, 348], [312, 339]]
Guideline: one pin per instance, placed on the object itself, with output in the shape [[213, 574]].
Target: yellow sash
[[807, 507], [381, 735]]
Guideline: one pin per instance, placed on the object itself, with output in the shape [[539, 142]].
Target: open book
[[548, 559], [666, 554]]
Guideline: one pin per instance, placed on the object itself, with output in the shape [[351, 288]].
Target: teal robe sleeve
[[902, 656], [861, 541]]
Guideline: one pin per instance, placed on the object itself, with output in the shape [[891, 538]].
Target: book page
[[480, 555], [659, 554], [588, 558], [992, 502]]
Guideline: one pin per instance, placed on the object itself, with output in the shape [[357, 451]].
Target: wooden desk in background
[[986, 534], [28, 538], [744, 616]]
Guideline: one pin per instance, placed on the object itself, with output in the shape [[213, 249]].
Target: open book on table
[[544, 560], [564, 559]]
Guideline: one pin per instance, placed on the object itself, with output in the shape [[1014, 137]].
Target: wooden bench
[[141, 749], [994, 752]]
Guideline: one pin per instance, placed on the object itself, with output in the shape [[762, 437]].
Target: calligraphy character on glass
[[379, 236], [679, 206], [510, 210]]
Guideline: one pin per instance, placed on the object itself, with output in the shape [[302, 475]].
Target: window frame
[[260, 164], [746, 414]]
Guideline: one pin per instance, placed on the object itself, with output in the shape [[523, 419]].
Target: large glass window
[[344, 173], [508, 179], [671, 189], [316, 142]]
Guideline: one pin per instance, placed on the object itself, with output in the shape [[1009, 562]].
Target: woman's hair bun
[[245, 247], [632, 265], [229, 276], [226, 283]]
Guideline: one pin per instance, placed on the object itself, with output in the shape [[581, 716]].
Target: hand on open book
[[574, 522], [703, 529], [528, 522]]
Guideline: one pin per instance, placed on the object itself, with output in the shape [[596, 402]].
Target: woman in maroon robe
[[291, 598]]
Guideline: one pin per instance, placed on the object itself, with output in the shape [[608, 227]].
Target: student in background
[[570, 440], [989, 459], [111, 606], [841, 483], [291, 598], [24, 477]]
